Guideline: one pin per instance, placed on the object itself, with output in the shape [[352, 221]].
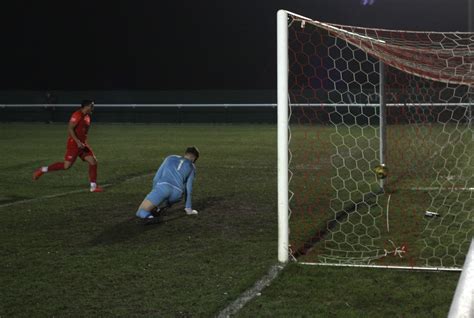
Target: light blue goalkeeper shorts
[[164, 193]]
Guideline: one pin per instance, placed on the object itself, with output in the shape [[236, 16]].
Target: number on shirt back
[[180, 164]]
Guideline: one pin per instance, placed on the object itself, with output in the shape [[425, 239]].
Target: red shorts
[[73, 151]]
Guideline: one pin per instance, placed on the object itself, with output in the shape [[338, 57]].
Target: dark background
[[177, 45]]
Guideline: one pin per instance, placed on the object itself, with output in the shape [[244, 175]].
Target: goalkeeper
[[173, 179]]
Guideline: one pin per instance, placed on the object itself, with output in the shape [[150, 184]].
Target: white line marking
[[447, 269], [50, 196], [251, 293], [45, 197], [442, 189]]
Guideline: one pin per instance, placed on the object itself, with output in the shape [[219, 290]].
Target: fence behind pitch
[[144, 113]]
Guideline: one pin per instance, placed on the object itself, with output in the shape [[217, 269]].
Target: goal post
[[463, 300], [352, 100], [382, 119], [282, 67]]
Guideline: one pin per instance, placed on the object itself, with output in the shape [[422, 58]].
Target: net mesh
[[423, 215]]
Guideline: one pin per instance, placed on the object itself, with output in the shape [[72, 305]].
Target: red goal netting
[[340, 213]]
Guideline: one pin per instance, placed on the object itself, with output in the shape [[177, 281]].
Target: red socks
[[92, 173], [56, 166]]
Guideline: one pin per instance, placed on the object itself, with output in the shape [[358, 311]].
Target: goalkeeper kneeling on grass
[[173, 179]]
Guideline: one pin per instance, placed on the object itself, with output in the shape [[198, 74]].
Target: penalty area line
[[251, 293], [51, 196]]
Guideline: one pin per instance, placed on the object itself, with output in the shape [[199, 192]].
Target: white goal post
[[463, 301], [351, 100], [282, 61]]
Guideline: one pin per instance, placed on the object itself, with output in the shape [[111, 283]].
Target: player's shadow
[[133, 227]]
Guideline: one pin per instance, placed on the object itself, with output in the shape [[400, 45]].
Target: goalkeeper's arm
[[189, 191]]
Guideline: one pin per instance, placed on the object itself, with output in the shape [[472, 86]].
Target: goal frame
[[282, 122], [282, 106], [284, 157]]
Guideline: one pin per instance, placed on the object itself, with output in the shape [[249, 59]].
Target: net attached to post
[[339, 213]]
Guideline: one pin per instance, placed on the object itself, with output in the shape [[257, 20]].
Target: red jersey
[[82, 122]]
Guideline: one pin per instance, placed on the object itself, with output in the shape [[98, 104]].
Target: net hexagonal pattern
[[340, 213]]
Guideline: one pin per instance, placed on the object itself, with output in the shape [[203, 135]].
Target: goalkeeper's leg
[[157, 195]]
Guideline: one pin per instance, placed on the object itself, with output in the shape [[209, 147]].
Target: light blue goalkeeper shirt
[[178, 172]]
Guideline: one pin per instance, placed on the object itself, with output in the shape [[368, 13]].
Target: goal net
[[362, 104]]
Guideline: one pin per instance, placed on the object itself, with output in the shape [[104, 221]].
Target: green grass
[[84, 254], [315, 291], [333, 173]]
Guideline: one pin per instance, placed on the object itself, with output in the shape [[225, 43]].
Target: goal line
[[416, 268]]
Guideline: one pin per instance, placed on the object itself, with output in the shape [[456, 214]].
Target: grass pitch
[[83, 254], [340, 214]]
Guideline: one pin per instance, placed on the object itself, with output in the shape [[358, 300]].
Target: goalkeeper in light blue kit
[[173, 179]]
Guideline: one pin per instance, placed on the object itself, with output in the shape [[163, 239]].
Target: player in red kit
[[77, 146]]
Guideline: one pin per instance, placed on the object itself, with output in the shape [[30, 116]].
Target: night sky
[[167, 45]]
